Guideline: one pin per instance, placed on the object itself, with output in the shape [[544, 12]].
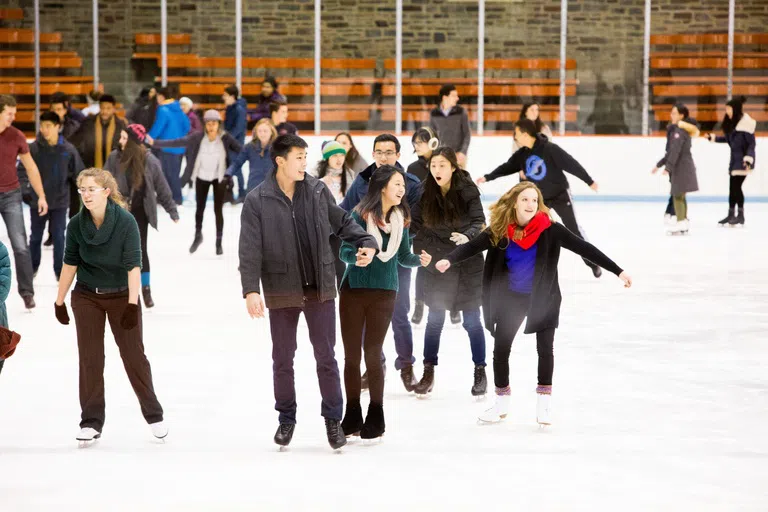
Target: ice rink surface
[[660, 396]]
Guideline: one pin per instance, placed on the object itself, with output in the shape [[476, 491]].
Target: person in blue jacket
[[258, 154], [386, 151], [170, 123], [236, 124], [5, 287]]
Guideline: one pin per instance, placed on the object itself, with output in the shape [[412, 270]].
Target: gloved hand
[[130, 318], [61, 313], [459, 238]]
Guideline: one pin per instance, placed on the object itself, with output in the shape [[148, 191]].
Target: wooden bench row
[[708, 39], [11, 14], [27, 36], [155, 39], [708, 63], [45, 63]]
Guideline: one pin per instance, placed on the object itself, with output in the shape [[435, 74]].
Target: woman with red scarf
[[520, 280]]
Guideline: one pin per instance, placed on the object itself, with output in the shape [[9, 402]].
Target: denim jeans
[[13, 216], [472, 324], [171, 164], [57, 228], [401, 324]]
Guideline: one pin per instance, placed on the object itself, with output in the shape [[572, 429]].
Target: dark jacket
[[742, 142], [142, 112], [268, 251], [191, 143], [259, 165], [359, 188], [459, 288], [194, 122], [70, 126], [59, 166], [170, 123], [156, 189], [544, 312], [419, 168], [453, 130], [543, 165], [679, 160], [85, 139], [236, 120], [285, 128], [262, 110]]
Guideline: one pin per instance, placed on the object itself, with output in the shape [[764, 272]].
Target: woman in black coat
[[519, 280], [450, 213]]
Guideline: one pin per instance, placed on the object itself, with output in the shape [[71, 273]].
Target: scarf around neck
[[531, 231], [394, 229], [99, 236], [98, 157]]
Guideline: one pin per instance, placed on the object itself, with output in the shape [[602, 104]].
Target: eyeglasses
[[388, 154], [89, 191]]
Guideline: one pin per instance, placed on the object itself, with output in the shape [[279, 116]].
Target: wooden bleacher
[[13, 36]]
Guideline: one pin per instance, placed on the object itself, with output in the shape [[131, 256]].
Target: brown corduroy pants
[[91, 312]]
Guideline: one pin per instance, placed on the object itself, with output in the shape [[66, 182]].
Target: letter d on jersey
[[535, 168]]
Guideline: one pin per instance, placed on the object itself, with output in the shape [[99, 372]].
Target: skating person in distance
[[208, 156], [520, 280], [532, 111], [367, 296], [739, 133], [104, 251], [258, 155], [140, 180], [450, 214], [386, 151], [678, 162], [545, 164], [285, 248]]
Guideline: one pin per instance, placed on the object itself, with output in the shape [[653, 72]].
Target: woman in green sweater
[[103, 249], [367, 296]]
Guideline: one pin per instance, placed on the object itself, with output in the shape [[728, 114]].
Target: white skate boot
[[87, 436], [159, 430], [679, 228], [543, 409], [498, 412]]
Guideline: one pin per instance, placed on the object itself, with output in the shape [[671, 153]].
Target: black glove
[[26, 199], [61, 314], [130, 318]]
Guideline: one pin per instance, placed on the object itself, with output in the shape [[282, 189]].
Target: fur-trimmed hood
[[746, 124]]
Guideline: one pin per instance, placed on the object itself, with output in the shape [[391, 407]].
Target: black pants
[[74, 199], [670, 206], [143, 222], [516, 307], [365, 314], [735, 194], [420, 276], [201, 191], [340, 266], [563, 205]]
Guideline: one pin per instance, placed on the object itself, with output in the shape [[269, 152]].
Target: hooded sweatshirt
[[170, 123]]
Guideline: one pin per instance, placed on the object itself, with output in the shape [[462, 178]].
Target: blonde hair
[[503, 212], [272, 128], [105, 179]]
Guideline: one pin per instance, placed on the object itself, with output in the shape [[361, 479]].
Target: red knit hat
[[137, 133], [8, 342]]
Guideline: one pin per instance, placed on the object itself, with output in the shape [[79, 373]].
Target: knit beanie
[[331, 147], [211, 115], [137, 133]]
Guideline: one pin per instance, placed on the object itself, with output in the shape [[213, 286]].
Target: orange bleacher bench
[[155, 39], [27, 36], [708, 39], [11, 14], [45, 89], [45, 62], [709, 90]]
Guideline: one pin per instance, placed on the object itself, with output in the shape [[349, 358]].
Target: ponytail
[[104, 179]]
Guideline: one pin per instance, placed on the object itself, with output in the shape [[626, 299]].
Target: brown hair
[[133, 160], [105, 179], [6, 101], [503, 212], [272, 128]]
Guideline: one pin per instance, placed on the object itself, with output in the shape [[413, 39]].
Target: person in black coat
[[450, 213], [519, 280]]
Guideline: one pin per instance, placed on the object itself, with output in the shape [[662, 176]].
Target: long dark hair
[[730, 123], [352, 154], [322, 170], [133, 160], [371, 202], [437, 209], [537, 122]]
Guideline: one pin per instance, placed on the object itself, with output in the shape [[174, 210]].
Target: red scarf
[[531, 231]]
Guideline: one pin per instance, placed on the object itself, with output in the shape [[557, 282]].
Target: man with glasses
[[386, 151]]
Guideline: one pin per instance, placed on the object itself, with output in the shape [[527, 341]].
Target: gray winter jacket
[[268, 249], [453, 130], [156, 189], [679, 160]]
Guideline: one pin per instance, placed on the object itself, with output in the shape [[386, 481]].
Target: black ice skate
[[374, 422], [480, 386], [408, 378], [284, 434], [418, 312], [146, 294], [738, 220], [353, 419], [335, 434], [727, 220], [427, 381], [196, 242]]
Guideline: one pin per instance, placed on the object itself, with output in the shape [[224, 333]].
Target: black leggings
[[364, 313], [563, 205], [515, 310], [736, 195], [201, 191], [143, 222]]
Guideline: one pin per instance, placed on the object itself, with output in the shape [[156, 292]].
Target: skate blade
[[425, 396], [480, 398], [544, 425], [352, 435], [373, 441], [282, 449]]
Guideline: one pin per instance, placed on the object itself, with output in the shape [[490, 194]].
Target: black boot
[[427, 382], [335, 433], [455, 317], [731, 216], [480, 385], [374, 422], [219, 249], [408, 378], [596, 271], [284, 434], [49, 241], [146, 293], [352, 423], [738, 220], [418, 312], [196, 242]]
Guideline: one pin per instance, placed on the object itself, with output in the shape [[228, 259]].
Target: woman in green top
[[103, 249], [367, 296]]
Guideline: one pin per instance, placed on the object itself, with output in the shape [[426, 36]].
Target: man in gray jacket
[[451, 123], [285, 224]]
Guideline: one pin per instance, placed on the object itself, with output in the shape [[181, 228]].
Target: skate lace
[[332, 428], [285, 429], [479, 372]]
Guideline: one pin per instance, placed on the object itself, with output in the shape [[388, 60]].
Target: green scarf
[[102, 235]]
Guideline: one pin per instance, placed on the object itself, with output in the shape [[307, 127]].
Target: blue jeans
[[58, 220], [472, 324], [171, 164], [401, 325], [13, 216]]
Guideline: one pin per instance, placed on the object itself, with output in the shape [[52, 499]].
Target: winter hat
[[137, 133], [331, 147], [211, 115], [8, 342], [185, 101]]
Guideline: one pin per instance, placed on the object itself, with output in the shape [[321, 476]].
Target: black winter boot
[[219, 249], [374, 422], [335, 433], [418, 312], [146, 294], [731, 215], [408, 378], [427, 382], [196, 242], [352, 423], [284, 434], [480, 385]]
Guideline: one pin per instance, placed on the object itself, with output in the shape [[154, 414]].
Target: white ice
[[659, 400]]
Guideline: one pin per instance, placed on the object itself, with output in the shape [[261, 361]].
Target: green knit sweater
[[103, 256], [378, 275]]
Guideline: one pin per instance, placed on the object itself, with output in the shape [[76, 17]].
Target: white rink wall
[[620, 165]]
